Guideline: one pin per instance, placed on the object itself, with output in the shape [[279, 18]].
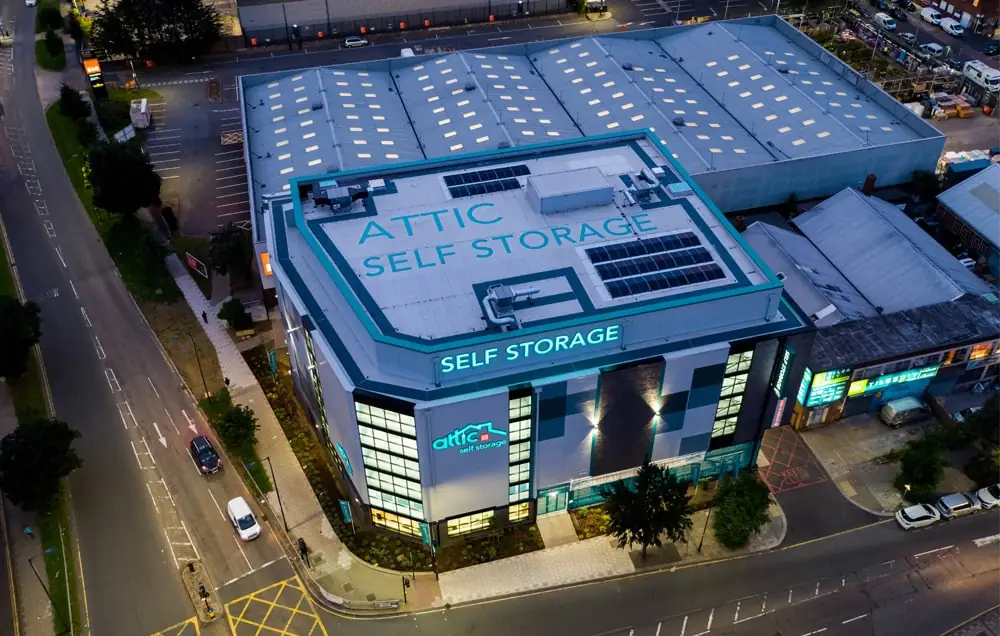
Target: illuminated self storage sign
[[866, 387], [828, 386], [530, 350], [472, 438], [786, 364]]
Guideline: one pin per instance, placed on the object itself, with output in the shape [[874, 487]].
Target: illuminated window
[[519, 471], [981, 351], [314, 377], [519, 492], [396, 523], [387, 420], [520, 452], [520, 430], [729, 406], [725, 426], [734, 384], [739, 362], [518, 512], [520, 408], [470, 523]]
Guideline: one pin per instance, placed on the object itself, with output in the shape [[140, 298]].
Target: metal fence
[[282, 22]]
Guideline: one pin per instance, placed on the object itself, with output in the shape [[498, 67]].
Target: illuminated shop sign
[[807, 376], [383, 232], [345, 459], [783, 368], [530, 349], [828, 386], [472, 438], [864, 387]]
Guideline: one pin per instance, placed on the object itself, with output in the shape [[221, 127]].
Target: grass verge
[[49, 62], [197, 246], [114, 112], [216, 407]]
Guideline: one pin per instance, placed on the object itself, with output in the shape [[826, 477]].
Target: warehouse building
[[488, 337], [753, 109], [970, 211]]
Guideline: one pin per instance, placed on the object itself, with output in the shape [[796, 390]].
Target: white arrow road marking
[[159, 435], [191, 425]]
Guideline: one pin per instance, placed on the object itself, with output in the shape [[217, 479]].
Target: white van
[[983, 75], [952, 27], [898, 412], [928, 14], [885, 21], [407, 53], [931, 49]]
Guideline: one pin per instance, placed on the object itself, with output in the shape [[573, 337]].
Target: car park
[[989, 497], [353, 41], [908, 37], [204, 455], [903, 411], [918, 516], [243, 519], [957, 504]]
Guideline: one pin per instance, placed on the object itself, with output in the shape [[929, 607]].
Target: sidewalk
[[351, 582], [34, 609]]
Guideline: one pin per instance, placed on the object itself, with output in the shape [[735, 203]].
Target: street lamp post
[[705, 530], [277, 493], [197, 357], [57, 610]]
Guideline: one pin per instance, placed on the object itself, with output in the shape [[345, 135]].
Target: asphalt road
[[7, 608], [141, 506]]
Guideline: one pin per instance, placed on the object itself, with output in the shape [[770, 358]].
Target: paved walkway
[[34, 609], [556, 529]]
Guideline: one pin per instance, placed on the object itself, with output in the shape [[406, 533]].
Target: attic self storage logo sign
[[472, 438]]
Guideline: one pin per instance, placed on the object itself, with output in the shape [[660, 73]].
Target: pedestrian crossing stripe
[[176, 82]]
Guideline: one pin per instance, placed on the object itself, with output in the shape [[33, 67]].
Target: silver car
[[957, 504]]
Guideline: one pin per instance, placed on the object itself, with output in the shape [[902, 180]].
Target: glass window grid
[[396, 523], [520, 430], [520, 452], [725, 426], [729, 406], [739, 362], [518, 492], [383, 440], [394, 484], [389, 463], [520, 408], [389, 501], [520, 472], [981, 351], [314, 376], [518, 512], [734, 384], [386, 420], [470, 523]]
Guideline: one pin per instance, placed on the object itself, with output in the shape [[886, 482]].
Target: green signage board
[[865, 387], [828, 386], [807, 376], [784, 368]]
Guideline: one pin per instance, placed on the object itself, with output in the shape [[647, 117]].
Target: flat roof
[[977, 202], [423, 247], [724, 95]]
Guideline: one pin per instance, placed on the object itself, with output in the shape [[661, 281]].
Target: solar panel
[[658, 281], [491, 174], [653, 263], [642, 247], [473, 189]]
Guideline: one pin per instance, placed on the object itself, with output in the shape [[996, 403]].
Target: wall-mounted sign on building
[[472, 438], [807, 376], [783, 369], [868, 386], [828, 386]]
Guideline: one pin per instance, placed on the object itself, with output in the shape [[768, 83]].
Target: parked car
[[204, 455], [903, 411], [989, 497], [961, 416], [928, 14], [885, 22], [908, 37], [31, 3], [882, 5], [243, 519], [918, 516], [957, 504], [951, 27], [353, 41], [931, 49], [991, 50], [899, 15]]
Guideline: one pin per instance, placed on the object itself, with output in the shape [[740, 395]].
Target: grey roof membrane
[[719, 95], [977, 201], [886, 256]]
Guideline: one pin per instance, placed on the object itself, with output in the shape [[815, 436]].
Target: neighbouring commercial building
[[971, 210], [896, 314], [489, 337]]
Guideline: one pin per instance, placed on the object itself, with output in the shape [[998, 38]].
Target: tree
[[71, 104], [33, 459], [86, 132], [741, 509], [122, 178], [232, 312], [921, 468], [656, 504], [53, 43], [983, 423], [20, 329], [238, 427], [160, 30], [231, 251]]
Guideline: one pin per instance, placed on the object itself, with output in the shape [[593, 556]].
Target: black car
[[883, 6], [899, 15], [991, 49], [204, 455]]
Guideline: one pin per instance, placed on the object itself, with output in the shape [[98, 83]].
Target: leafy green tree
[[34, 457], [984, 468], [160, 30], [72, 104], [232, 311], [20, 329], [985, 424], [921, 468], [656, 504], [122, 178], [53, 44], [231, 251], [741, 509], [86, 132], [49, 18], [238, 427]]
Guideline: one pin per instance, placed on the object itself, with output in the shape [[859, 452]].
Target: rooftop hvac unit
[[570, 190]]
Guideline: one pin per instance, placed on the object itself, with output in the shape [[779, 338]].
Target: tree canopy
[[655, 504], [20, 329], [231, 252], [34, 457], [238, 427], [122, 178], [159, 30], [741, 509]]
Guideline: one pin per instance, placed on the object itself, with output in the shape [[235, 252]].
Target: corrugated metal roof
[[892, 262], [809, 278], [977, 202]]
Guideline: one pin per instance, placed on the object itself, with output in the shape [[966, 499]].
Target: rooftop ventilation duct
[[498, 304]]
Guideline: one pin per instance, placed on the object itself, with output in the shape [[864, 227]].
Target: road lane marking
[[148, 452], [73, 287], [229, 160], [987, 540], [86, 318], [816, 593], [947, 547], [240, 546], [109, 374], [184, 525], [150, 380], [155, 505], [173, 555], [159, 436], [234, 185], [194, 429], [233, 213], [228, 169], [171, 418], [100, 350], [61, 259], [228, 152], [658, 626], [851, 620], [234, 194], [228, 205], [736, 617], [818, 631], [217, 506], [237, 176]]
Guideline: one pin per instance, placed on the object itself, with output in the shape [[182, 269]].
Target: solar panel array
[[467, 184], [653, 264]]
